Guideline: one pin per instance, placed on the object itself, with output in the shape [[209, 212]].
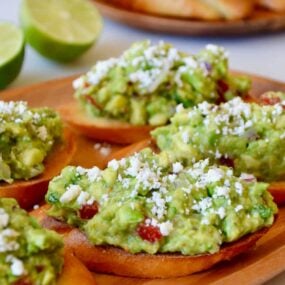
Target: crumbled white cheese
[[179, 108], [165, 228], [42, 133], [4, 218], [71, 193], [105, 150], [35, 207], [114, 164], [177, 167], [17, 265], [8, 240], [221, 212], [84, 198], [238, 208], [93, 174], [78, 83], [239, 188], [222, 191]]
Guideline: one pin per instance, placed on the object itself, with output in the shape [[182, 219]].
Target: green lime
[[12, 50], [60, 29]]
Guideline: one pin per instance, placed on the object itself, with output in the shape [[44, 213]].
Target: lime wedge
[[12, 49], [60, 29]]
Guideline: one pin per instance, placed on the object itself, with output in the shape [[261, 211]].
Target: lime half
[[60, 29], [12, 49]]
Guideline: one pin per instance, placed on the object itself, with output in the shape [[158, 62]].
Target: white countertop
[[263, 55]]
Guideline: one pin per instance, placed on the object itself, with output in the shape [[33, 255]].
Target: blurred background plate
[[260, 21]]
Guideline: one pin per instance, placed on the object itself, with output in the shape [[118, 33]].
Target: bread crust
[[276, 5], [74, 272], [111, 131], [197, 9], [277, 190], [32, 191], [108, 259]]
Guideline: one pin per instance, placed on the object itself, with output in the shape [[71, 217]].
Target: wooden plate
[[254, 267], [260, 21]]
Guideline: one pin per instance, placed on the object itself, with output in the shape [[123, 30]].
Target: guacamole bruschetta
[[143, 215], [121, 99], [34, 147], [32, 255]]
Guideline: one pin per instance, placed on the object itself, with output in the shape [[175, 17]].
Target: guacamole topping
[[29, 254], [26, 138], [146, 82], [145, 203], [248, 137]]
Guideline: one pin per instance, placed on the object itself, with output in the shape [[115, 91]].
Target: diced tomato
[[227, 161], [268, 100], [223, 87], [88, 211], [23, 281], [149, 232]]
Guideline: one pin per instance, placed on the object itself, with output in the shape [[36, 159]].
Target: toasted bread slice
[[108, 259], [277, 190], [32, 191], [276, 5], [111, 131], [74, 272], [197, 9], [40, 214]]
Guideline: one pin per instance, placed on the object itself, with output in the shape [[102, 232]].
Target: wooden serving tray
[[254, 267], [260, 21]]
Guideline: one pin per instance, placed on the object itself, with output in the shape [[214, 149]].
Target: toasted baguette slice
[[74, 272], [276, 5], [111, 131], [197, 9], [40, 214], [108, 259], [277, 189], [32, 191]]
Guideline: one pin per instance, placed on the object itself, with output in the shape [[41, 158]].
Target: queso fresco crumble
[[145, 203]]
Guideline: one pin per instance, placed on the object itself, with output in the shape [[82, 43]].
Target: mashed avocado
[[26, 138], [29, 254], [145, 203], [144, 85], [249, 137]]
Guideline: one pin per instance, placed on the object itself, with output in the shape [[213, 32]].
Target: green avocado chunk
[[28, 253], [145, 203], [145, 84], [249, 137], [26, 138]]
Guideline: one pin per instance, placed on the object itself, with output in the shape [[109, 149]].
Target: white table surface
[[263, 55]]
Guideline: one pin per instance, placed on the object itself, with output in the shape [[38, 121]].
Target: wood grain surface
[[258, 265], [260, 21]]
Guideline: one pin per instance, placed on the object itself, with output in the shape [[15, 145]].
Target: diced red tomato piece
[[149, 232], [267, 100], [87, 212]]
